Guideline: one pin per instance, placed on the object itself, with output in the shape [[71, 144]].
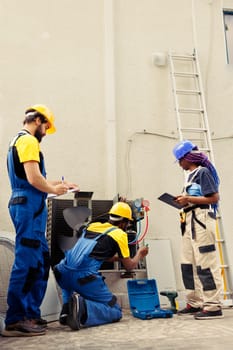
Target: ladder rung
[[194, 129], [188, 92], [220, 240], [224, 266], [204, 149], [183, 57], [186, 75], [191, 110], [225, 293]]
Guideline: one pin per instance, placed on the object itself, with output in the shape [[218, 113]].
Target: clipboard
[[170, 199], [53, 195]]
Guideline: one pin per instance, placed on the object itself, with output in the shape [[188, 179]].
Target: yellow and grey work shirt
[[114, 242]]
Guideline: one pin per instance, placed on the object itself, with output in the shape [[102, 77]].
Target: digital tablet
[[169, 199]]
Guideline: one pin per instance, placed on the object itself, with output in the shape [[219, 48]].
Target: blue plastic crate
[[144, 299]]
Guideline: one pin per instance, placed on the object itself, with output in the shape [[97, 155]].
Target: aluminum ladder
[[193, 125]]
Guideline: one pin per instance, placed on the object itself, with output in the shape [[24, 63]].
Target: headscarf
[[199, 158]]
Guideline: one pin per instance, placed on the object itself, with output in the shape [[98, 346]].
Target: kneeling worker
[[79, 273]]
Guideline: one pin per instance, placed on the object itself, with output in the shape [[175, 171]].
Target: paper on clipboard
[[53, 195], [169, 199]]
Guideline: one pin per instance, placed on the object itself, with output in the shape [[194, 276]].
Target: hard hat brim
[[51, 130]]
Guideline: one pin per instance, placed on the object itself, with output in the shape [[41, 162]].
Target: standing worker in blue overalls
[[27, 207], [200, 267], [79, 271]]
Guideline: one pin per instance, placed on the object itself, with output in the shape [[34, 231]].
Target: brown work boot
[[23, 328], [40, 322]]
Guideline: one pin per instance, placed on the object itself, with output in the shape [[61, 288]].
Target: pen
[[62, 179]]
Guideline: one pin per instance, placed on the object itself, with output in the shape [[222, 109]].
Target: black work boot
[[63, 314]]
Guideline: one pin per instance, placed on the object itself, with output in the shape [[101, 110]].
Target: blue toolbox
[[144, 300]]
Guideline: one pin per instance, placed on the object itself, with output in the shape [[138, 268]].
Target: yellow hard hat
[[47, 113], [121, 209]]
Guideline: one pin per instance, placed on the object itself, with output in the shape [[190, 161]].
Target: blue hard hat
[[183, 148]]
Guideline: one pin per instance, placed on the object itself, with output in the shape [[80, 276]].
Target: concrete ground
[[176, 333]]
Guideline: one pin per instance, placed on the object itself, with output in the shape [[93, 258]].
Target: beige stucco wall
[[91, 62]]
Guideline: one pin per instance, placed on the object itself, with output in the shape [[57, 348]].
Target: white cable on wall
[[109, 98]]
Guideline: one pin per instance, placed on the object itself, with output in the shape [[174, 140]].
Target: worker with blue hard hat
[[183, 148], [199, 263]]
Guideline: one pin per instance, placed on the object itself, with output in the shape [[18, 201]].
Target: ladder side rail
[[176, 102], [206, 141], [205, 115], [219, 223], [205, 146]]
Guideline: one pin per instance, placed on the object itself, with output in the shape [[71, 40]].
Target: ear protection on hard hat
[[47, 113], [183, 148]]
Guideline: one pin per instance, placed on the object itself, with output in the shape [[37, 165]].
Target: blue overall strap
[[99, 235], [110, 230], [14, 180], [18, 183], [20, 133], [76, 256]]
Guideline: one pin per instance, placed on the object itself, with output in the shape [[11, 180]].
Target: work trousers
[[199, 262], [29, 275], [101, 305]]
